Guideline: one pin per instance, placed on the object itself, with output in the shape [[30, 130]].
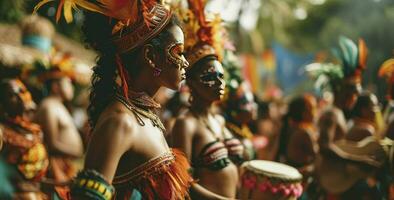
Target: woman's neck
[[143, 83], [201, 107]]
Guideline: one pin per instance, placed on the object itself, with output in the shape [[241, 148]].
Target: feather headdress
[[142, 20], [353, 57], [145, 18], [203, 32], [353, 61], [387, 70]]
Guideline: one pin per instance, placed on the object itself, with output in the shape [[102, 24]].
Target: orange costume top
[[163, 177]]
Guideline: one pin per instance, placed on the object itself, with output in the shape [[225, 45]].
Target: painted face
[[247, 103], [208, 81], [246, 107], [211, 76], [174, 54], [173, 71]]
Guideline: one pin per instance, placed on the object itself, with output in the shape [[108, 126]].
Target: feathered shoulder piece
[[353, 57], [203, 31], [387, 70], [142, 19]]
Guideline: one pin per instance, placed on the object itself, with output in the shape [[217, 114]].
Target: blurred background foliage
[[302, 26]]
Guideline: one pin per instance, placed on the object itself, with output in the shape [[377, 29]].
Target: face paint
[[174, 55], [210, 76], [246, 103]]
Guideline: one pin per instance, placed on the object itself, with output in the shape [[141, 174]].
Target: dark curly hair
[[97, 29]]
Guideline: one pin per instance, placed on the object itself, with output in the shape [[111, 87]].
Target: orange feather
[[362, 53], [387, 68]]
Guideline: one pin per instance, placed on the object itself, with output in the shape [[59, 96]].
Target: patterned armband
[[91, 184]]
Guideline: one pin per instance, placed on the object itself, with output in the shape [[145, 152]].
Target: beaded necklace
[[205, 122], [138, 112]]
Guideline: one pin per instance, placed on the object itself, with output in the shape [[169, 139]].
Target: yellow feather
[[67, 11], [41, 3], [387, 68]]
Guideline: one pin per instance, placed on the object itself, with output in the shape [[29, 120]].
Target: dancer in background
[[345, 83], [299, 139], [61, 136], [24, 155], [201, 133], [239, 107], [365, 118]]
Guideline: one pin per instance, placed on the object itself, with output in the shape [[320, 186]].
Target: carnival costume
[[165, 176], [334, 76], [55, 66], [23, 149], [202, 39], [237, 101]]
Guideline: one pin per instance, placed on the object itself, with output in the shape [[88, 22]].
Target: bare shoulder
[[220, 118], [186, 122], [116, 123], [47, 106], [48, 102]]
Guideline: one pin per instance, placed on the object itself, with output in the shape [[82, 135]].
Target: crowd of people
[[170, 116]]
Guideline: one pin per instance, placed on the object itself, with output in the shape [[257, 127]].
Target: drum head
[[274, 170]]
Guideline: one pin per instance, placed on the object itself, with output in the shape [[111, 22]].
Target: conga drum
[[262, 179]]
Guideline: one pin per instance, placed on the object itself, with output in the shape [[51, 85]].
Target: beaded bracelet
[[91, 184]]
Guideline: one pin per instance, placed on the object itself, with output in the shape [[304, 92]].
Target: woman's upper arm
[[111, 138]]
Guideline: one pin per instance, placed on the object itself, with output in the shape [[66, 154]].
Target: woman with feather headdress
[[344, 80], [23, 158], [201, 133], [140, 47]]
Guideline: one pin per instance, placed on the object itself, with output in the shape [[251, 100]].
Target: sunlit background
[[274, 38]]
